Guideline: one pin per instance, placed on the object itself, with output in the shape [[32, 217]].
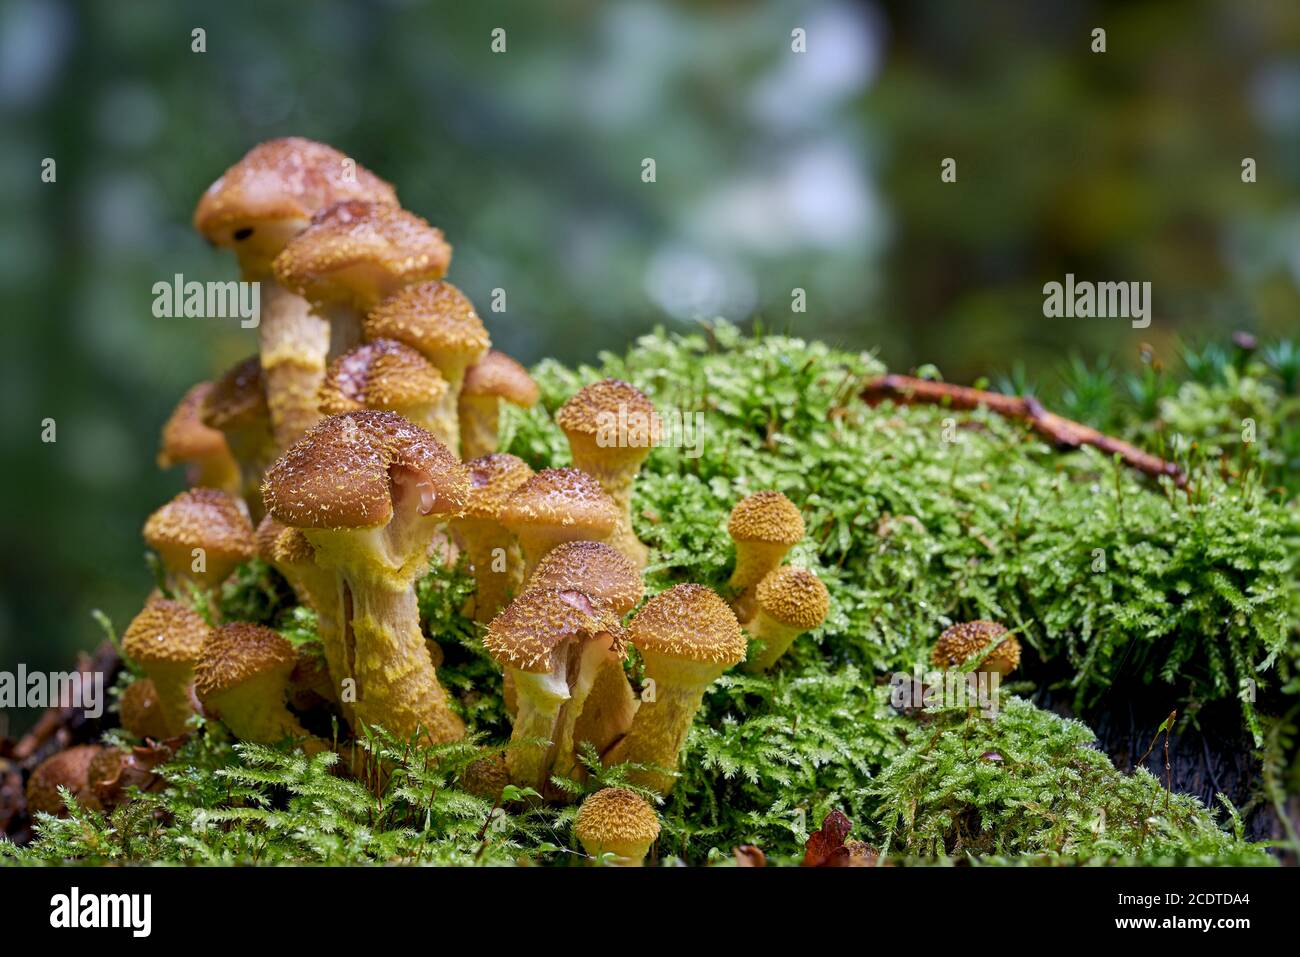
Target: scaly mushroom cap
[[238, 652], [594, 409], [534, 627], [594, 569], [498, 376], [357, 253], [206, 518], [238, 398], [140, 710], [486, 778], [270, 195], [280, 544], [342, 472], [567, 499], [689, 623], [492, 480], [766, 517], [69, 768], [165, 632], [383, 374], [963, 640], [794, 597], [185, 437], [616, 818], [435, 318]]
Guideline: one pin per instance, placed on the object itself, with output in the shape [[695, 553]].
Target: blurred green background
[[775, 170]]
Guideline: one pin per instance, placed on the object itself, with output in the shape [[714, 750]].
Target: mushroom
[[140, 710], [486, 777], [687, 637], [618, 822], [438, 320], [236, 407], [200, 536], [790, 602], [493, 552], [764, 527], [552, 642], [597, 570], [965, 640], [611, 427], [554, 506], [70, 769], [242, 676], [368, 490], [187, 441], [255, 209], [385, 374], [354, 255], [494, 379], [165, 640]]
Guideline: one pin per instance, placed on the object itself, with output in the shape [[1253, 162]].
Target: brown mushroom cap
[[383, 374], [486, 777], [794, 597], [593, 568], [533, 628], [165, 632], [492, 480], [238, 398], [767, 517], [236, 653], [691, 623], [567, 499], [969, 638], [69, 768], [497, 375], [358, 253], [435, 318], [586, 415], [342, 472], [615, 817], [185, 436], [206, 518], [280, 544], [273, 191]]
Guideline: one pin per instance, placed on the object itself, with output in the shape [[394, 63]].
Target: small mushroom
[[242, 678], [790, 602], [236, 407], [552, 642], [70, 769], [200, 536], [967, 639], [141, 712], [554, 506], [494, 379], [611, 427], [618, 822], [493, 552], [369, 489], [384, 374], [486, 777], [187, 441], [764, 527], [165, 639], [687, 636]]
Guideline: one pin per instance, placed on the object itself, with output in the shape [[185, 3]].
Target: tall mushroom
[[385, 374], [969, 639], [687, 637], [187, 441], [254, 209], [241, 678], [552, 642], [165, 639], [439, 321], [493, 552], [764, 527], [611, 427], [617, 822], [236, 407], [354, 255], [494, 379], [790, 601], [368, 489], [554, 506], [200, 536]]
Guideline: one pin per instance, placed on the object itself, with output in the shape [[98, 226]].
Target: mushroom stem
[[485, 543], [660, 727], [173, 682], [618, 484], [596, 656], [776, 640], [344, 321], [255, 711], [539, 699], [479, 418], [294, 343], [610, 708]]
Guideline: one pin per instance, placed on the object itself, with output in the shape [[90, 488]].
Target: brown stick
[[1061, 432]]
